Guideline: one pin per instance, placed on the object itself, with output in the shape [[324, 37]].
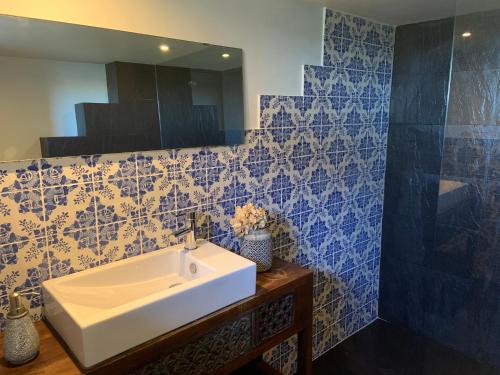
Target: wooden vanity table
[[222, 342]]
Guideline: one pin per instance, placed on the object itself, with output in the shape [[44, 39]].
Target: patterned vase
[[257, 247]]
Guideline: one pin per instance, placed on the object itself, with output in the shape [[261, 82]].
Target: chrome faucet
[[189, 232]]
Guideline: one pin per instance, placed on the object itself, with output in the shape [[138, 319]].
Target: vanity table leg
[[305, 337], [304, 365]]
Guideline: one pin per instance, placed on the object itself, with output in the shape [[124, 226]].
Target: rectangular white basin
[[106, 310]]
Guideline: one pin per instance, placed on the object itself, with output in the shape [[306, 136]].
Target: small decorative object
[[250, 223], [20, 337]]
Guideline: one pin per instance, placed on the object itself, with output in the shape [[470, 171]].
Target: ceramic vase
[[257, 247]]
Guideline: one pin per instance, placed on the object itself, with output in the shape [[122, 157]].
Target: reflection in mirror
[[72, 90]]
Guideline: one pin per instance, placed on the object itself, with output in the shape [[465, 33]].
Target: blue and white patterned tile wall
[[334, 140], [317, 164]]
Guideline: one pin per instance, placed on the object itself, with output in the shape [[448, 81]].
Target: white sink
[[106, 310]]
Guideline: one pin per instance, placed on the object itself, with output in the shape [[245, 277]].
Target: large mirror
[[71, 90]]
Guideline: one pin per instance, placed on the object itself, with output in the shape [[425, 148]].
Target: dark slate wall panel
[[420, 85], [441, 226], [422, 58]]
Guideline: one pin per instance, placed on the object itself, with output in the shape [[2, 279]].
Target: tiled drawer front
[[226, 343]]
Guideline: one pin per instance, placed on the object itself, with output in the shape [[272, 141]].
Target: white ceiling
[[402, 12]]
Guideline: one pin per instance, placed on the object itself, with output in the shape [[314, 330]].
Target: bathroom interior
[[250, 187]]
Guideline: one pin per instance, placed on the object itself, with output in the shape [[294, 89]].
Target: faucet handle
[[189, 230], [190, 220], [190, 217]]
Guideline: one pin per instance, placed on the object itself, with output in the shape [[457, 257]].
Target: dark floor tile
[[386, 349]]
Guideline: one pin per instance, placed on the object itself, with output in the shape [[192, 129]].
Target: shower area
[[440, 271], [439, 302]]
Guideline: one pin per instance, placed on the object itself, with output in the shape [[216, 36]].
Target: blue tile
[[109, 167], [19, 175], [64, 171], [271, 111]]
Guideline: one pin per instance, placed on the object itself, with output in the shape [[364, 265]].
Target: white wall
[[277, 36], [37, 99]]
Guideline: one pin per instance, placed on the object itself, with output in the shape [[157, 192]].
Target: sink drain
[[193, 268], [175, 284]]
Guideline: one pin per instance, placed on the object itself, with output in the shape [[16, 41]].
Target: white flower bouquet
[[248, 218]]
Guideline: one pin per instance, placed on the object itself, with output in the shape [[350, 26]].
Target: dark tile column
[[422, 57]]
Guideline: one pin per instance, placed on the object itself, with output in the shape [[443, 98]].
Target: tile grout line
[[96, 216], [139, 204], [45, 224]]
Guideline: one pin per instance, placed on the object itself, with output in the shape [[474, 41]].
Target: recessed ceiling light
[[164, 48], [225, 55], [466, 34]]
